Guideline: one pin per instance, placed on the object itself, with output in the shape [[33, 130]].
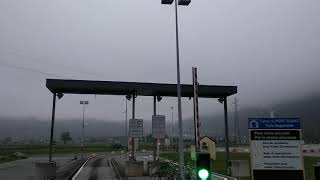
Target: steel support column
[[154, 140], [226, 130], [133, 117], [52, 126]]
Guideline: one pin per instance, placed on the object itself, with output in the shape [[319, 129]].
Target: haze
[[268, 48]]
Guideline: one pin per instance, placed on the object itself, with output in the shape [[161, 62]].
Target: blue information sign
[[274, 123]]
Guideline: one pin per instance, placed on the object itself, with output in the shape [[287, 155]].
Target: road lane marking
[[80, 169]]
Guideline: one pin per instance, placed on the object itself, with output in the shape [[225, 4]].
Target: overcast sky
[[270, 49]]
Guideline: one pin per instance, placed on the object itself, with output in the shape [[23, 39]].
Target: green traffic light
[[203, 173]]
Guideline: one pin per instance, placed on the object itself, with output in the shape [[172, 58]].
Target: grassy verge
[[219, 165], [7, 151], [10, 158], [43, 149]]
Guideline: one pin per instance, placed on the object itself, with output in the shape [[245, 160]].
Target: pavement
[[97, 168], [24, 169]]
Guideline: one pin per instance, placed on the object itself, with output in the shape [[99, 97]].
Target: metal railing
[[172, 170], [113, 164]]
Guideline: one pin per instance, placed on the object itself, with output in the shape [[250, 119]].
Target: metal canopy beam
[[141, 89]]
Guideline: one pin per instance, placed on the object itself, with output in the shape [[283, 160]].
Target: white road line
[[221, 177], [115, 169], [80, 169], [224, 178]]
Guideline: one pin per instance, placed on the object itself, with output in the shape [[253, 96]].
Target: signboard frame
[[136, 128], [158, 126], [268, 135]]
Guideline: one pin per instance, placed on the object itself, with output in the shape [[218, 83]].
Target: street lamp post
[[84, 103], [181, 155]]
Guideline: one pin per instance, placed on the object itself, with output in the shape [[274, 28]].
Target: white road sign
[[276, 148], [136, 128], [158, 126], [276, 155]]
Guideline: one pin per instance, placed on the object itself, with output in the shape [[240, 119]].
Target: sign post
[[276, 151], [135, 131]]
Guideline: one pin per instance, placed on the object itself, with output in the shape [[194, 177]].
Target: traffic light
[[203, 166]]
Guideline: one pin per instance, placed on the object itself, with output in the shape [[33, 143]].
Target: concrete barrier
[[45, 170], [153, 168], [134, 168], [240, 168]]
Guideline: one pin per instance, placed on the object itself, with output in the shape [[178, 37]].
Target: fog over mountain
[[305, 108]]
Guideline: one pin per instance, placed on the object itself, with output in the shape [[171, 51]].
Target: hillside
[[307, 109]]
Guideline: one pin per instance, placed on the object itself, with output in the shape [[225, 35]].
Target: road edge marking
[[80, 169]]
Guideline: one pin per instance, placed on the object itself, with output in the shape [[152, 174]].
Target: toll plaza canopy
[[138, 88]]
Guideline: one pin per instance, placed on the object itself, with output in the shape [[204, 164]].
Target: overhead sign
[[158, 126], [276, 148], [136, 128]]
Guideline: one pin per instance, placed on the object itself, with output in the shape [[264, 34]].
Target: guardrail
[[216, 176], [114, 165], [79, 170]]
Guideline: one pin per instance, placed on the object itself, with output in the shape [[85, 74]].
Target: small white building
[[208, 144]]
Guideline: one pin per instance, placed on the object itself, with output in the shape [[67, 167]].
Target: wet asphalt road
[[97, 168]]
